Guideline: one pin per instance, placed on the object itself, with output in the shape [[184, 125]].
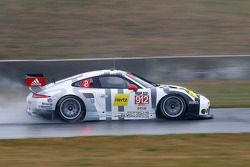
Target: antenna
[[114, 64]]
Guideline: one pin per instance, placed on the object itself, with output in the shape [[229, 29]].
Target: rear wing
[[35, 82]]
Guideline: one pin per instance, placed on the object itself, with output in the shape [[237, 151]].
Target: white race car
[[112, 95]]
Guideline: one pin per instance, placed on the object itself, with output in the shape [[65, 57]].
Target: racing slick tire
[[71, 109], [173, 107]]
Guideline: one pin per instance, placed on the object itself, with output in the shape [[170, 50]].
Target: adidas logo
[[36, 83]]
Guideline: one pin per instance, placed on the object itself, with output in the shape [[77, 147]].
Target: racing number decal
[[141, 99], [86, 83]]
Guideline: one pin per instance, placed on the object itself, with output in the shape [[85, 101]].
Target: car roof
[[92, 74], [103, 72]]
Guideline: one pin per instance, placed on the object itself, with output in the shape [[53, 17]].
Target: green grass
[[169, 150], [111, 28]]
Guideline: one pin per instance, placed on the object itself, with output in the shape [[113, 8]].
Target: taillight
[[35, 95]]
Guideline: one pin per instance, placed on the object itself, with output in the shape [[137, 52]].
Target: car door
[[92, 95], [122, 103]]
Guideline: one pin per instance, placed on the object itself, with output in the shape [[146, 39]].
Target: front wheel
[[173, 107], [71, 109]]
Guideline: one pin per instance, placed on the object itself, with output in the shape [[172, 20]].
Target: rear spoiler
[[35, 82]]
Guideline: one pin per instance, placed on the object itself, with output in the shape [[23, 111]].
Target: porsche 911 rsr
[[112, 95]]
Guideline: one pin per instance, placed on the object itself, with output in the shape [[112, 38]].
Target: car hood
[[190, 92]]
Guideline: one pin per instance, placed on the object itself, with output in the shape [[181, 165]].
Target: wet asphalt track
[[24, 126]]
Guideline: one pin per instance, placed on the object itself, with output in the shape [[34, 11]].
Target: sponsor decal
[[141, 99], [35, 81], [134, 114], [121, 100], [142, 108], [141, 93], [138, 93], [50, 100], [193, 102], [46, 106]]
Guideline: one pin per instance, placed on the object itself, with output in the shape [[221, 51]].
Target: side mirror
[[132, 87]]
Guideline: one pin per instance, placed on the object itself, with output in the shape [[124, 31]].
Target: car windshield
[[144, 81]]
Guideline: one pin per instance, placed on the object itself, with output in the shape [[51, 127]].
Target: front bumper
[[199, 109], [204, 110]]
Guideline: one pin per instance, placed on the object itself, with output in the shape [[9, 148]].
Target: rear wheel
[[173, 107], [71, 109]]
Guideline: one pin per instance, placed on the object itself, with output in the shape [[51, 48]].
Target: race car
[[112, 95]]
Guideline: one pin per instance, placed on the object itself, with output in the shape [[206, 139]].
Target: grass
[[168, 150], [97, 28]]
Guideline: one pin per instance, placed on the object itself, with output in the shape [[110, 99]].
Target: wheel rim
[[70, 108], [173, 106]]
